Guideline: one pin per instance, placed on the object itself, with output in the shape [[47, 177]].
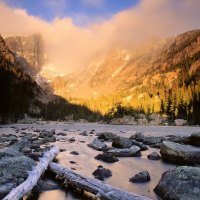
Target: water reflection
[[63, 195]]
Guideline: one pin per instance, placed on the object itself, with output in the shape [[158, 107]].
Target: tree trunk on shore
[[34, 176], [100, 189]]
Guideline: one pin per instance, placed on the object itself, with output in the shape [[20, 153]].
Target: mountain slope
[[160, 77], [17, 89]]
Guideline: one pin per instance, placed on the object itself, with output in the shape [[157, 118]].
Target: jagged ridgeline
[[17, 89]]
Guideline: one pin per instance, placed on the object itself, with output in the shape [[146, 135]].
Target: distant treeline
[[60, 109]]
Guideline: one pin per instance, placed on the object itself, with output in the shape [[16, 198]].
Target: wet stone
[[74, 153], [141, 177], [154, 156], [107, 158], [101, 173]]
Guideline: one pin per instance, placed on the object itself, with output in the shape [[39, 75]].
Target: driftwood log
[[100, 189], [34, 175]]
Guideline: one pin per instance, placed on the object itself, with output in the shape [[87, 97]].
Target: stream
[[85, 163]]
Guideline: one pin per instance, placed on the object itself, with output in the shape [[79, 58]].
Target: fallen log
[[34, 175], [101, 190]]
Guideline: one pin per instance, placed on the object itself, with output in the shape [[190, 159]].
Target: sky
[[81, 11], [74, 31]]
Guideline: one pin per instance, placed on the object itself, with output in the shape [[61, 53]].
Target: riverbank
[[75, 137]]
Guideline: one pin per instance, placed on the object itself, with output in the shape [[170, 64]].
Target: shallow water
[[122, 170]]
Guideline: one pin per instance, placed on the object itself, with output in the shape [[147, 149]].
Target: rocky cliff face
[[29, 52], [17, 89]]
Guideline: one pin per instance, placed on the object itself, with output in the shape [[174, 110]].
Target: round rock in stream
[[141, 177], [107, 136], [97, 145], [134, 151], [181, 183], [101, 173], [74, 153], [122, 142], [154, 156], [106, 158]]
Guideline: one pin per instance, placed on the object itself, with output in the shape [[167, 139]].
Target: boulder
[[44, 134], [102, 173], [106, 158], [181, 183], [154, 156], [178, 153], [134, 151], [157, 146], [141, 145], [139, 136], [122, 142], [142, 121], [195, 139], [35, 155], [13, 171], [97, 145], [107, 136], [156, 119], [153, 140], [49, 139], [141, 177], [62, 134], [9, 152], [180, 122], [84, 133], [125, 120], [179, 139], [82, 121]]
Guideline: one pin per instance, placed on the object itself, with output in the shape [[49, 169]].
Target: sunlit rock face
[[29, 51], [5, 52]]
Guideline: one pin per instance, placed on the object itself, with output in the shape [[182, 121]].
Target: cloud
[[70, 46], [93, 3]]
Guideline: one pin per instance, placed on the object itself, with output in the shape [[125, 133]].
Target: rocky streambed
[[133, 158]]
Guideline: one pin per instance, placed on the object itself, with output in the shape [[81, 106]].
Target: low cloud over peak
[[70, 46]]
